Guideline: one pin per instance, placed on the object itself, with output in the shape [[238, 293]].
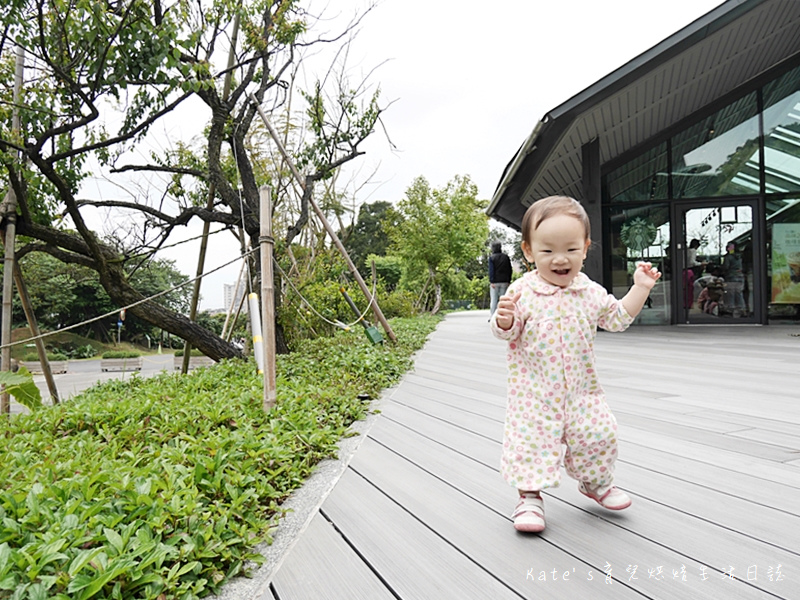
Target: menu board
[[786, 263]]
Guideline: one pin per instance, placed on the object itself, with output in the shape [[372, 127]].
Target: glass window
[[782, 133], [783, 258], [642, 179], [641, 233], [719, 155]]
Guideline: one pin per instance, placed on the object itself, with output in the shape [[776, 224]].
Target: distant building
[[228, 290], [687, 156]]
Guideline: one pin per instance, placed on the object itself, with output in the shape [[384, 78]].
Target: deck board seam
[[358, 553], [431, 529]]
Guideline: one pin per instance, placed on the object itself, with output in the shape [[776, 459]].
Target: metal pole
[[336, 241], [267, 242]]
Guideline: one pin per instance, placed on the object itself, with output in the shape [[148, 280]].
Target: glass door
[[718, 259]]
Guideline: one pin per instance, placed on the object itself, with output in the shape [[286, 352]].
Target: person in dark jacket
[[499, 274]]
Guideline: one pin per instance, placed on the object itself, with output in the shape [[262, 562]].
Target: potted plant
[[121, 360], [58, 362]]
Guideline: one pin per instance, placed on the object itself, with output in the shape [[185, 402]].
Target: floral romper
[[557, 411]]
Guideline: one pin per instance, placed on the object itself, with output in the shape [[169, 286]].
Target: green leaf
[[21, 386], [115, 540], [79, 582], [83, 558]]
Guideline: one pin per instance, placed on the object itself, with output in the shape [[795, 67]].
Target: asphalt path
[[82, 374]]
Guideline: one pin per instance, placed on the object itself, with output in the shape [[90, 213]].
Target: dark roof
[[713, 56]]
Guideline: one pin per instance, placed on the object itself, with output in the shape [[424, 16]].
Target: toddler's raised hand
[[646, 275], [506, 307]]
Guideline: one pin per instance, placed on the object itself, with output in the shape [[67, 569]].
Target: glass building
[[688, 157]]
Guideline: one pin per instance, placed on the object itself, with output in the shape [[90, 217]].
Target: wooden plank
[[414, 561], [760, 422], [440, 373], [743, 513], [478, 531], [697, 499], [626, 537], [771, 493], [733, 461], [472, 421], [773, 438], [321, 565], [624, 410], [685, 434], [445, 392]]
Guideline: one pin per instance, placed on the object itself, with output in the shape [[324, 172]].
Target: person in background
[[499, 274], [692, 270], [733, 271]]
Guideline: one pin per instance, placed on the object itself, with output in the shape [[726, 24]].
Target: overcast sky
[[469, 80]]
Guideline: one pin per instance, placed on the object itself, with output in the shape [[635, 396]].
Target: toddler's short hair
[[550, 207]]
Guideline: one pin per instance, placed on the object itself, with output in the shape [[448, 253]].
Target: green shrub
[[86, 351], [194, 352], [121, 354], [51, 356], [161, 487]]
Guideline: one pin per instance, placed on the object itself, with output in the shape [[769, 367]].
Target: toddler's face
[[558, 248]]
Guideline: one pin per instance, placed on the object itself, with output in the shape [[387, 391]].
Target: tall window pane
[[641, 233], [783, 258], [642, 179], [782, 133], [719, 155]]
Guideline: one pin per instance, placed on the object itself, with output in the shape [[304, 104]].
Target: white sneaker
[[529, 514], [607, 496]]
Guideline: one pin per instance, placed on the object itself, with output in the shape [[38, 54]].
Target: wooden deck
[[709, 423]]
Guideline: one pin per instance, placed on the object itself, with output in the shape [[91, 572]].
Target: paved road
[[82, 374]]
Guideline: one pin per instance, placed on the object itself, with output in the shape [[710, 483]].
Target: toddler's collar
[[540, 286]]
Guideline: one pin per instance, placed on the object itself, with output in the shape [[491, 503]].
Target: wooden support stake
[[266, 243], [34, 327]]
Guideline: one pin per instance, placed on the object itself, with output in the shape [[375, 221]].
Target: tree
[[67, 294], [369, 233], [442, 230], [147, 62]]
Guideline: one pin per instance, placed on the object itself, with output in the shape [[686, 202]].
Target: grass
[[162, 487]]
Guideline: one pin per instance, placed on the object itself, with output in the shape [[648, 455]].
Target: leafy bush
[[121, 354], [51, 356], [194, 352], [86, 351], [160, 487]]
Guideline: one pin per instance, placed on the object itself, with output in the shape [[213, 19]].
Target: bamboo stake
[[10, 214], [321, 216], [22, 289], [267, 242]]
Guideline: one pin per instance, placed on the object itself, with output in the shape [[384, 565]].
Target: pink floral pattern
[[557, 412]]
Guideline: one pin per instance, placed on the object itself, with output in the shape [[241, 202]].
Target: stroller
[[710, 298]]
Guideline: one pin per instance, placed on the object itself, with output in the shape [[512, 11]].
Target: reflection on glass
[[719, 155], [717, 281], [782, 133], [642, 179], [783, 258], [641, 233]]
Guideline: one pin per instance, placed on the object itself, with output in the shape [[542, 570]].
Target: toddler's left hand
[[646, 275]]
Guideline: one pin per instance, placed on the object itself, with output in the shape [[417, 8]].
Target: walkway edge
[[303, 505]]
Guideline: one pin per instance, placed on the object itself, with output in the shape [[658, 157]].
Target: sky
[[464, 83]]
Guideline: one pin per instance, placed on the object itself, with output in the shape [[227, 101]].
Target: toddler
[[557, 411]]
